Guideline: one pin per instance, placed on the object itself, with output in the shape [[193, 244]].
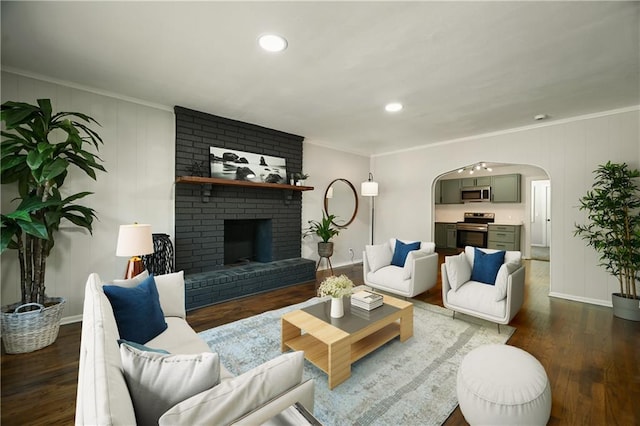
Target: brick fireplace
[[201, 219], [247, 240]]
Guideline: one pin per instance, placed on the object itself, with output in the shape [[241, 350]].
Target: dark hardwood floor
[[590, 356]]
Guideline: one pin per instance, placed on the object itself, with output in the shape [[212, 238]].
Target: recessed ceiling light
[[539, 117], [393, 107], [272, 42]]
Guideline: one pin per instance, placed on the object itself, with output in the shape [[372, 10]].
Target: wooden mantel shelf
[[242, 183]]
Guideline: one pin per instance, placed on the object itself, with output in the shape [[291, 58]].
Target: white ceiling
[[459, 68]]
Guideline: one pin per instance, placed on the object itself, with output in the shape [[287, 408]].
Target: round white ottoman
[[503, 385]]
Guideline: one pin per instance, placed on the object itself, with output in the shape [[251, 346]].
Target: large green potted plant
[[325, 230], [38, 149], [613, 230]]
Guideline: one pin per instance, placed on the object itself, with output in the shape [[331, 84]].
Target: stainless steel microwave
[[476, 194]]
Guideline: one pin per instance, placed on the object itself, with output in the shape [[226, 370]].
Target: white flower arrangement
[[336, 286]]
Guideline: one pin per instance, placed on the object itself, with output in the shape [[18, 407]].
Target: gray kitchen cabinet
[[504, 237], [452, 236], [475, 181], [441, 235], [450, 191], [445, 235], [505, 188]]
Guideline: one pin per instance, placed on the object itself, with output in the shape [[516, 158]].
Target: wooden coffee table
[[333, 344]]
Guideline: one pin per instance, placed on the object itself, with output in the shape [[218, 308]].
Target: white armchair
[[497, 302], [418, 273]]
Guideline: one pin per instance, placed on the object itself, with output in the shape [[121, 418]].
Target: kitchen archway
[[502, 206]]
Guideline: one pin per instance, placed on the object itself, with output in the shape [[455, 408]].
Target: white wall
[[139, 155], [323, 166], [568, 151]]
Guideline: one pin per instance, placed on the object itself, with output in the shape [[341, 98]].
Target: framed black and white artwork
[[233, 164]]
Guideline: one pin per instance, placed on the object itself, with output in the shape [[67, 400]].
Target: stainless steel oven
[[474, 230]]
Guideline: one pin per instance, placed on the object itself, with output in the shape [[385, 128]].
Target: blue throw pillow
[[486, 266], [137, 310], [401, 251]]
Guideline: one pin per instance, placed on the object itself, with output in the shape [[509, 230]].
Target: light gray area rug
[[411, 383]]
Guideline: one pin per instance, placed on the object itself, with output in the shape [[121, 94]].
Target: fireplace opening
[[247, 240]]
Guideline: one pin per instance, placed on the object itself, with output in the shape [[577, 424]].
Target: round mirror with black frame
[[341, 200]]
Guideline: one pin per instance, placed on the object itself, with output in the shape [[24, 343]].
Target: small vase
[[337, 307]]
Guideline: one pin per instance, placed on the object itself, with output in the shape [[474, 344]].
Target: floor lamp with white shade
[[370, 189]]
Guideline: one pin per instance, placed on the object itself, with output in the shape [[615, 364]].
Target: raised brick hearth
[[206, 288], [199, 228]]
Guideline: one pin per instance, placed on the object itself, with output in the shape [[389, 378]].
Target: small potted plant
[[613, 230], [337, 288], [300, 178], [325, 230]]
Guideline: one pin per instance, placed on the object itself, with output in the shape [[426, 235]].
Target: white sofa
[[419, 273], [497, 303], [105, 397]]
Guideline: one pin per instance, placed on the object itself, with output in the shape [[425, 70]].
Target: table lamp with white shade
[[134, 241]]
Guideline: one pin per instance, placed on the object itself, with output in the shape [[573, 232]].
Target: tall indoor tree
[[613, 230], [38, 149]]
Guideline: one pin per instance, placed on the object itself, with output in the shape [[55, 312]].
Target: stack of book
[[361, 313], [366, 300]]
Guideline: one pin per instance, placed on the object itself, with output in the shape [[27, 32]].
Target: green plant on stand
[[38, 149], [613, 230], [323, 229], [326, 230]]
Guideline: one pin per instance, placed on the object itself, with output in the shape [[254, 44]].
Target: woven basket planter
[[32, 330]]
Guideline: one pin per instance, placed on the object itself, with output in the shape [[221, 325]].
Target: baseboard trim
[[324, 266], [71, 319], [580, 299]]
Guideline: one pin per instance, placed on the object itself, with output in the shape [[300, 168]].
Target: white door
[[540, 213]]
